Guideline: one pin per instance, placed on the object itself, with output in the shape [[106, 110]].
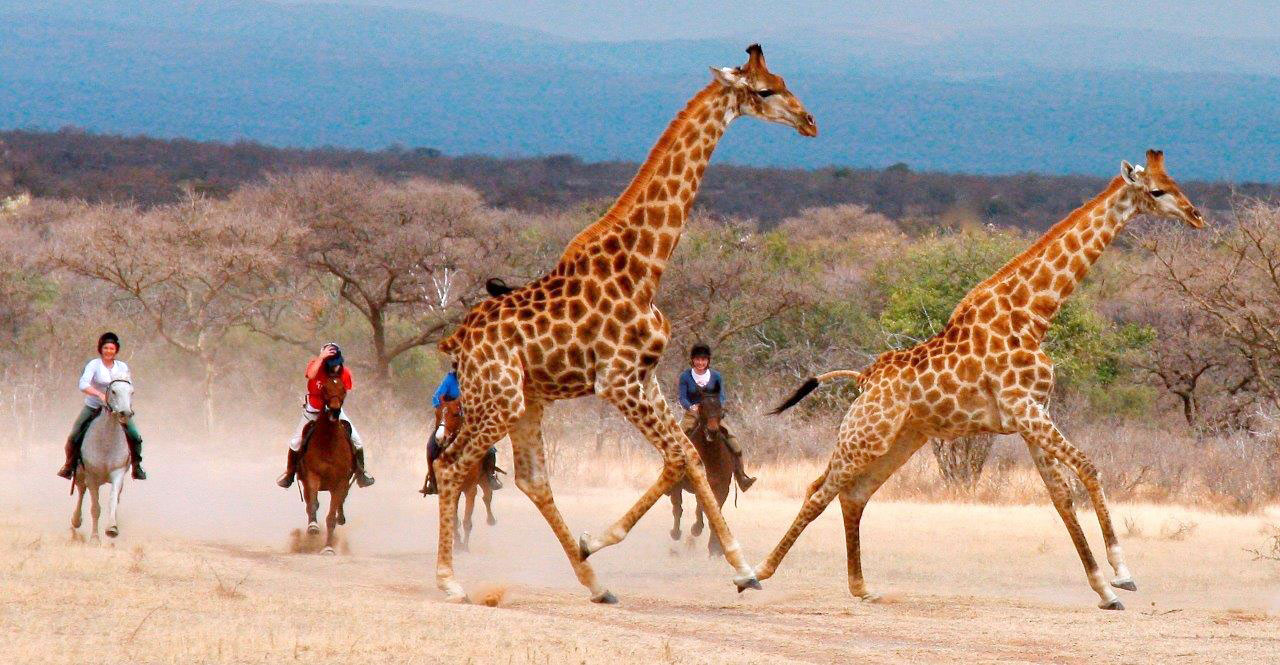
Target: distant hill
[[1069, 101], [75, 164]]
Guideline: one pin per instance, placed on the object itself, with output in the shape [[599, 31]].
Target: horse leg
[[699, 523], [677, 510], [487, 492], [337, 497], [470, 493], [113, 502], [721, 488], [77, 516], [312, 496], [95, 511]]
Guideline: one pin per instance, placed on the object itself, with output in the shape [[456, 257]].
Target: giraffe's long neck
[[645, 223], [1032, 286]]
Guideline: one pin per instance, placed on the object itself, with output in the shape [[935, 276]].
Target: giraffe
[[986, 372], [591, 326]]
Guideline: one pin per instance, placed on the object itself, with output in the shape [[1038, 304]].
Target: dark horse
[[708, 438], [448, 423], [327, 463]]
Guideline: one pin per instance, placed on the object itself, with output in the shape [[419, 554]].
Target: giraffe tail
[[812, 384]]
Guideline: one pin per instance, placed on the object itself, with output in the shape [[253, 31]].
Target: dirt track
[[206, 577]]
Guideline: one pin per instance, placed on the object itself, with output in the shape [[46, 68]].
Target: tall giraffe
[[986, 372], [591, 326]]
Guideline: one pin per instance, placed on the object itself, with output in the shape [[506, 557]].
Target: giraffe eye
[[766, 93], [1157, 193]]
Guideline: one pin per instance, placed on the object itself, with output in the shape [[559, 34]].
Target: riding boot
[[491, 469], [286, 480], [135, 451], [430, 487], [433, 451], [72, 450], [740, 473], [363, 478]]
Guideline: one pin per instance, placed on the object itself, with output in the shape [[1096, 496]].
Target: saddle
[[310, 427]]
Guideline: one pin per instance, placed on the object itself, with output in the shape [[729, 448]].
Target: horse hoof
[[696, 531], [584, 549], [675, 534], [747, 582], [491, 521], [869, 597], [328, 551], [112, 532], [313, 528], [606, 598], [1127, 584], [342, 520], [457, 599], [1113, 605]]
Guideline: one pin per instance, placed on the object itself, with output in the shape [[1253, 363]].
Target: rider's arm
[[440, 391], [683, 389], [86, 382], [313, 367]]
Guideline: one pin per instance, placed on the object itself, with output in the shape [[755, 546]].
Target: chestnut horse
[[327, 463], [708, 439], [448, 423]]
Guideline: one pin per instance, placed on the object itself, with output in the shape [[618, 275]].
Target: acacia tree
[[194, 271], [409, 257]]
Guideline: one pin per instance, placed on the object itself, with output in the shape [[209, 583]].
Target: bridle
[[107, 403]]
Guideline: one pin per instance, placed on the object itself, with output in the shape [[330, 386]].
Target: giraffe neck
[[646, 221], [1033, 285]]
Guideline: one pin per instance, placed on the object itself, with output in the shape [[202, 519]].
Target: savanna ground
[[203, 572]]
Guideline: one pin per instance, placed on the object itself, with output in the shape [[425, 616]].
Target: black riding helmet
[[700, 350], [108, 338], [334, 363]]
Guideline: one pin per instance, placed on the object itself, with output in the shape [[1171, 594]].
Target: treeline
[[148, 171]]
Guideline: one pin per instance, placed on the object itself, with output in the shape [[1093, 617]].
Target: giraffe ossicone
[[591, 326], [986, 372]]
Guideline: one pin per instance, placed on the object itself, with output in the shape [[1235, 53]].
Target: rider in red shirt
[[328, 362]]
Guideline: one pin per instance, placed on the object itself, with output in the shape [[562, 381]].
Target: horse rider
[[94, 383], [447, 392], [330, 362], [701, 377]]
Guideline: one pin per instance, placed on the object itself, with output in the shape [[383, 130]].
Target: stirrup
[[285, 481]]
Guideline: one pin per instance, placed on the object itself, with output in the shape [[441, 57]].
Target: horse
[[448, 423], [707, 438], [327, 463], [104, 459]]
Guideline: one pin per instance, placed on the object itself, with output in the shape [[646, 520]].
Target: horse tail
[[496, 286], [811, 384]]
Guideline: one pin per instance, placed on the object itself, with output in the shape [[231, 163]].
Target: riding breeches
[[295, 444], [86, 416], [690, 421]]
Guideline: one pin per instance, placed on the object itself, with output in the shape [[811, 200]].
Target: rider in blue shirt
[[694, 381], [449, 391]]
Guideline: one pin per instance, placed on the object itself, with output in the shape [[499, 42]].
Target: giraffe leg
[[643, 405], [867, 435], [853, 500], [477, 434], [1040, 432], [531, 477]]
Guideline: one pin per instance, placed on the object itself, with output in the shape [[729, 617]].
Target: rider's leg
[[433, 451], [295, 445], [491, 468], [739, 470], [363, 478], [75, 438], [134, 438]]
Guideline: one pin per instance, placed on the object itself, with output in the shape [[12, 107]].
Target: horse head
[[710, 410], [120, 400], [451, 418], [333, 393]]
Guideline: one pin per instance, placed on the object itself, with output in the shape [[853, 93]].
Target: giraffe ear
[[729, 77], [1131, 174]]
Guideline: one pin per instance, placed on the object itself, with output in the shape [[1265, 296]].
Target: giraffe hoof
[[606, 598], [1127, 584], [870, 597], [1113, 605], [584, 546], [747, 582], [328, 551]]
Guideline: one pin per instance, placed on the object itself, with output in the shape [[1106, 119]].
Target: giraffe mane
[[616, 214], [1038, 246]]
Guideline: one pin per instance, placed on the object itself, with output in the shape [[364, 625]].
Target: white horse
[[104, 458]]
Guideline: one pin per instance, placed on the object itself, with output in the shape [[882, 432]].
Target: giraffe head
[[763, 94], [1157, 193]]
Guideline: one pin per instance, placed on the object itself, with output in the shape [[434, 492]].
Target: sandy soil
[[202, 573]]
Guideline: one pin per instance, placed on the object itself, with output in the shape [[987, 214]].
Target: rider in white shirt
[[94, 382]]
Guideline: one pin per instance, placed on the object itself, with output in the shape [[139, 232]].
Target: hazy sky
[[660, 19]]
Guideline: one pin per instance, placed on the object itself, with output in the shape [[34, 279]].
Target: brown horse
[[708, 439], [327, 463], [449, 415]]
